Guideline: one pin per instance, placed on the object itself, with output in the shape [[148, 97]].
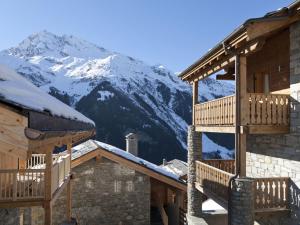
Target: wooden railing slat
[[262, 109]]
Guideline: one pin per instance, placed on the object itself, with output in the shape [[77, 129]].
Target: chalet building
[[261, 185], [32, 125], [112, 187]]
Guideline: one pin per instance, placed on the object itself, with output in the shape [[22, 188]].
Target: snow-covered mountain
[[120, 93]]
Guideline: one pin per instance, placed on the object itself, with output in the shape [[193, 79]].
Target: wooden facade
[[30, 173], [257, 58]]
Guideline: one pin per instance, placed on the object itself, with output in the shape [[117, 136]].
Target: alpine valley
[[120, 93]]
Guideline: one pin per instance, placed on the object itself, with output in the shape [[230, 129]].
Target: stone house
[[111, 186], [261, 185]]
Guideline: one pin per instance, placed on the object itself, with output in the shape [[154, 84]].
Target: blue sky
[[170, 32]]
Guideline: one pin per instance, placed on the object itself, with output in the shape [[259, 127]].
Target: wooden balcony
[[21, 185], [271, 194], [262, 114]]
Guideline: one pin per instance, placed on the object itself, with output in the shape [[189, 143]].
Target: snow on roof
[[91, 145], [16, 90], [176, 166], [211, 205]]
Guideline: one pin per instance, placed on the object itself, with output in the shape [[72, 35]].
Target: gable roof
[[17, 92], [91, 148], [176, 166]]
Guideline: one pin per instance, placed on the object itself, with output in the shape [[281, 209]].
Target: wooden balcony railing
[[261, 109], [268, 109], [21, 184], [60, 171], [270, 193], [29, 183], [216, 112], [227, 165], [213, 179]]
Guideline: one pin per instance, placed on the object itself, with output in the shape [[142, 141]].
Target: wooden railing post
[[69, 186], [48, 174], [15, 186]]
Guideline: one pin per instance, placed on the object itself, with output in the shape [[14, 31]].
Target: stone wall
[[279, 155], [106, 193]]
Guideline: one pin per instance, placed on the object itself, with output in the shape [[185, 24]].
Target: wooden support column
[[48, 174], [195, 99], [48, 212], [244, 110], [69, 186], [48, 186]]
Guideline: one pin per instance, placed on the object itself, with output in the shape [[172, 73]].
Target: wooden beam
[[20, 203], [38, 145], [268, 129], [262, 28], [215, 129], [48, 212], [225, 60], [69, 187], [195, 99], [84, 158], [225, 77], [244, 110], [48, 175], [214, 56]]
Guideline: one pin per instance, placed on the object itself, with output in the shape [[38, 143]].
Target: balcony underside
[[250, 129]]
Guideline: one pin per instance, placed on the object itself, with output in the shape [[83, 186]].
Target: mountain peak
[[45, 43]]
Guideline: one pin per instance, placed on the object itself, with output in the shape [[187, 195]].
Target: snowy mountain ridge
[[72, 69]]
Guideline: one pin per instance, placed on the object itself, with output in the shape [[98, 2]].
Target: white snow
[[211, 205], [105, 95], [17, 90], [75, 66], [91, 145], [211, 146]]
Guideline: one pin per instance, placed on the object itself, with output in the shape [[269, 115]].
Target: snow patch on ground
[[105, 95], [211, 205]]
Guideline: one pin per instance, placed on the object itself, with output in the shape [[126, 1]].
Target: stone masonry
[[242, 202], [194, 207], [279, 155], [103, 192], [107, 193]]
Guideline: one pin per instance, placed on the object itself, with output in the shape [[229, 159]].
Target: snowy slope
[[72, 69]]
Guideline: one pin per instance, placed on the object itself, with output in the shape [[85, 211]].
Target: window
[[117, 186], [130, 186]]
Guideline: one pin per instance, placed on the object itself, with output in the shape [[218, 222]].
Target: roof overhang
[[247, 38]]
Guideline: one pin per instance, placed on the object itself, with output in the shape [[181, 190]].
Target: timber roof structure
[[243, 39]]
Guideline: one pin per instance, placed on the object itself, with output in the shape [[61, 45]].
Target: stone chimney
[[132, 144], [165, 162]]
